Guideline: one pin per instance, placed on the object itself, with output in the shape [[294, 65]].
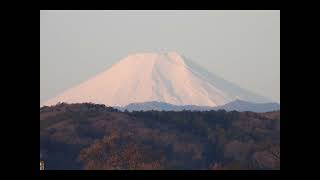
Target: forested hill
[[90, 136]]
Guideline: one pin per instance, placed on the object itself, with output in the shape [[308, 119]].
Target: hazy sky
[[240, 46]]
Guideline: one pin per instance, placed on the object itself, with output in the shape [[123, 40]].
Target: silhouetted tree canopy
[[92, 136]]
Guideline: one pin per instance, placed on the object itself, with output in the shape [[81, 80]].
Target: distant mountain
[[241, 106], [161, 106], [163, 77], [236, 105]]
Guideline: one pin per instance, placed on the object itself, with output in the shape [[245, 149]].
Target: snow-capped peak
[[162, 76]]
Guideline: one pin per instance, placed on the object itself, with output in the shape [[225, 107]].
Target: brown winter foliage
[[90, 136]]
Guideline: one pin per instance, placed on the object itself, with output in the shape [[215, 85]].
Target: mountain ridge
[[237, 105]]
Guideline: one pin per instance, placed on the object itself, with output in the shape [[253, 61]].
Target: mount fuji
[[162, 77]]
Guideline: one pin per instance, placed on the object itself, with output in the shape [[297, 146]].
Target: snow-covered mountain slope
[[164, 77]]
